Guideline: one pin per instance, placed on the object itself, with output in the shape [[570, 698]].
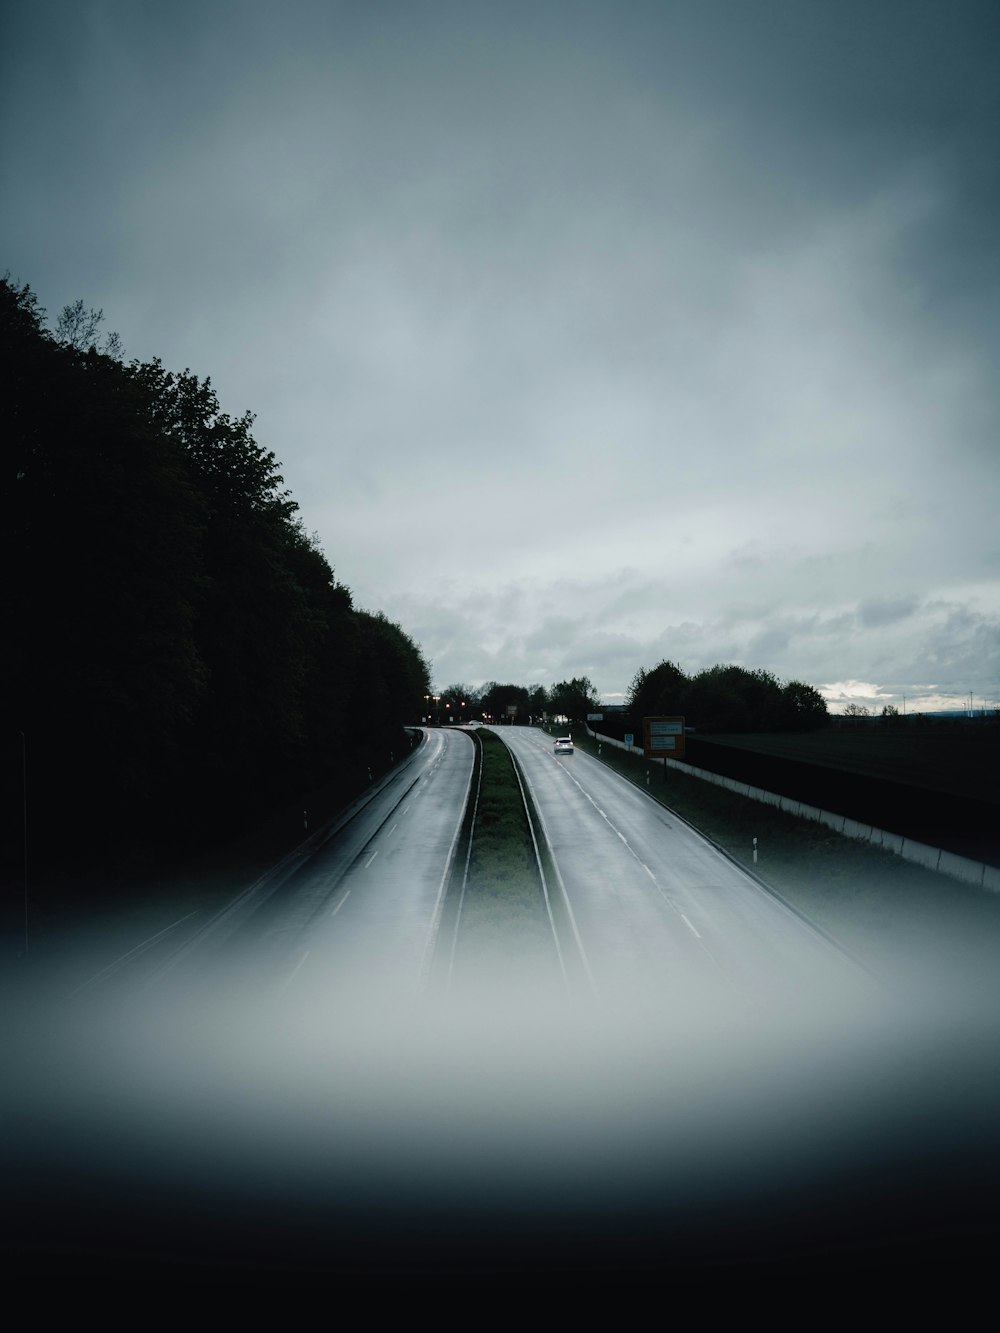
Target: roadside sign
[[629, 737], [663, 736]]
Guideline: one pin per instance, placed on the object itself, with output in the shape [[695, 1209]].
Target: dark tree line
[[720, 698], [575, 698], [727, 698], [179, 653]]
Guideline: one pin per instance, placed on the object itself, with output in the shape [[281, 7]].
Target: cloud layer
[[587, 335]]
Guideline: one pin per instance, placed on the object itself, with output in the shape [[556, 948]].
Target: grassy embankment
[[876, 904]]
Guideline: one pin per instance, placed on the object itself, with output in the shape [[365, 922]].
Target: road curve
[[375, 893], [358, 917]]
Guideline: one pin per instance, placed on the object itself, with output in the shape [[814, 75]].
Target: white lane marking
[[607, 821], [341, 903], [371, 858], [392, 830], [659, 887], [294, 972]]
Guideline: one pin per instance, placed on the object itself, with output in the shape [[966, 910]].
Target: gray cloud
[[886, 611], [585, 336]]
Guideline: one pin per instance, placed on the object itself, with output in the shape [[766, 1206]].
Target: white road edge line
[[294, 972], [132, 953]]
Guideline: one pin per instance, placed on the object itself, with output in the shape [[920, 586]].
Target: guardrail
[[934, 858]]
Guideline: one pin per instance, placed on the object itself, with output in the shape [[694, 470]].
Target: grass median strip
[[503, 914]]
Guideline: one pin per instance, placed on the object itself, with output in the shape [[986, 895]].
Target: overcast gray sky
[[586, 334]]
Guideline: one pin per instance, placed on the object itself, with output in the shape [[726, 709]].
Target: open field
[[956, 759]]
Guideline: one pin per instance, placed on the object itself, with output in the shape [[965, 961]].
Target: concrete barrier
[[961, 868], [921, 853], [811, 812], [934, 858]]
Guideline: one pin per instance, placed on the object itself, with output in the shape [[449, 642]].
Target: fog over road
[[731, 1097]]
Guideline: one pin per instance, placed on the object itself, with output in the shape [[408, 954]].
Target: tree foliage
[[495, 699], [183, 652], [658, 692], [575, 698], [726, 698]]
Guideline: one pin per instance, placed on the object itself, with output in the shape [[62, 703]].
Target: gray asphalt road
[[361, 918], [659, 911]]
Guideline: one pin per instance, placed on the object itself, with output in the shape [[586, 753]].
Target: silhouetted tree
[[803, 708], [576, 698], [656, 693], [495, 699], [181, 650]]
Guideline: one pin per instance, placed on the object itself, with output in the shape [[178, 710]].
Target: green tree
[[183, 650], [107, 529], [538, 700], [459, 702], [656, 693], [576, 698], [712, 701], [496, 698], [803, 707], [395, 676], [77, 329]]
